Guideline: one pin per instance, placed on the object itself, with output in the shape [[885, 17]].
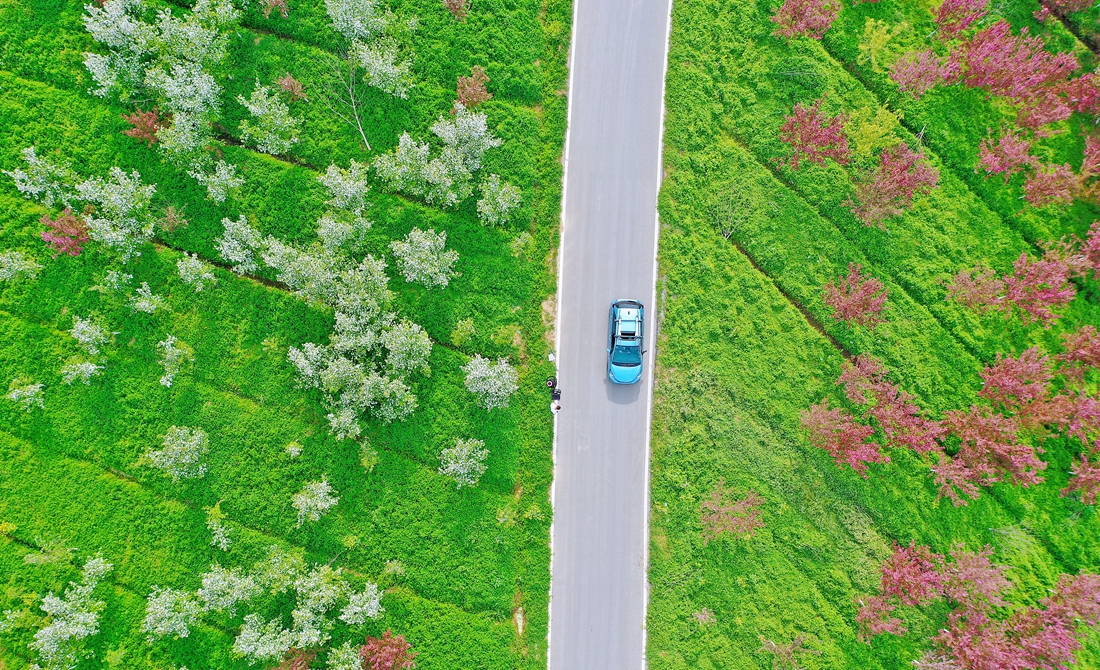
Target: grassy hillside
[[746, 343], [475, 563]]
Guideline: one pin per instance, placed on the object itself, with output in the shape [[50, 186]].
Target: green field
[[473, 585], [746, 342]]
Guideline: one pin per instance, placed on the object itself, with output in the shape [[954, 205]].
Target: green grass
[[72, 472], [746, 343]]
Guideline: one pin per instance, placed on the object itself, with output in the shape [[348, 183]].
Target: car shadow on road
[[621, 394]]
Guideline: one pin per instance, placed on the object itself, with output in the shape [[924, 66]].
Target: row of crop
[[281, 200], [740, 363], [946, 231], [52, 500], [954, 120], [285, 201], [279, 323], [505, 38], [96, 512], [54, 55]]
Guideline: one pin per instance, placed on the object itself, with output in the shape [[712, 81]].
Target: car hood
[[623, 374]]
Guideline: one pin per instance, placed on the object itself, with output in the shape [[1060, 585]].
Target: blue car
[[625, 338]]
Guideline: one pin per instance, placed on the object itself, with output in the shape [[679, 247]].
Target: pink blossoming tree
[[814, 136], [856, 299]]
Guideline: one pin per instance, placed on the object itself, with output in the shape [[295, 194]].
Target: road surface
[[609, 237]]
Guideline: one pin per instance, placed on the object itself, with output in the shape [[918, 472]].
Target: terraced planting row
[[747, 342], [464, 571]]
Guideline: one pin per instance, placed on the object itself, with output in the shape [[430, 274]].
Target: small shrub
[[719, 516], [144, 300], [462, 332], [84, 371], [271, 5], [173, 354], [146, 125], [458, 8], [289, 85]]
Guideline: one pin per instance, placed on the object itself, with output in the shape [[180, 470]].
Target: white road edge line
[[653, 331], [558, 313]]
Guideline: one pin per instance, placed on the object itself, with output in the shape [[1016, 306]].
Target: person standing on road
[[555, 406]]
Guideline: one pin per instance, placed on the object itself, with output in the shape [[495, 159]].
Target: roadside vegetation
[[876, 288], [273, 284]]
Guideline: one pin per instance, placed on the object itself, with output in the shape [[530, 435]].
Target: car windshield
[[627, 354]]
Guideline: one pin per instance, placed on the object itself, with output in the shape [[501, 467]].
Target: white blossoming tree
[[314, 501], [464, 462], [492, 383], [272, 129], [262, 641], [122, 218], [42, 180], [170, 612], [82, 370], [498, 199], [222, 590], [195, 273], [239, 244], [88, 334], [15, 265], [26, 394], [421, 257], [173, 354], [220, 181], [408, 347], [382, 68], [182, 455], [345, 657], [363, 605], [445, 178], [74, 616]]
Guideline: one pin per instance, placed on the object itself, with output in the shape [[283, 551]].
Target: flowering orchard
[[878, 271], [228, 299]]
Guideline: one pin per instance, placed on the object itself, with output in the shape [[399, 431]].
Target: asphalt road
[[612, 174]]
